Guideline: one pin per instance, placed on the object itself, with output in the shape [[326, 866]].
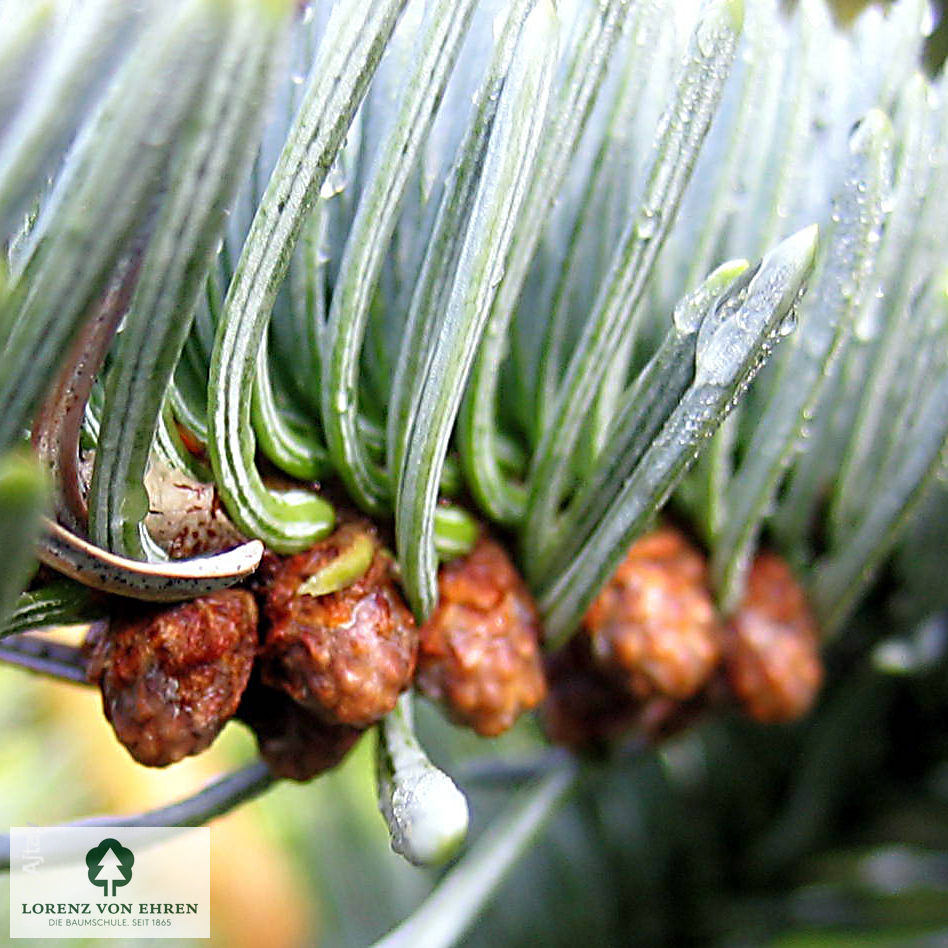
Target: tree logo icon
[[110, 864]]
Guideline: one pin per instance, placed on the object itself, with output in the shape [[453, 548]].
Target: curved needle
[[58, 422], [155, 582]]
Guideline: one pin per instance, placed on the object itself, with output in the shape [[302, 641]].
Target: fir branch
[[23, 496], [900, 274], [100, 201], [216, 799], [645, 407], [60, 603], [840, 577], [295, 448], [843, 283], [732, 343], [349, 52], [438, 45], [167, 581], [57, 428], [60, 96], [603, 196], [682, 129], [599, 30], [209, 160], [510, 158], [39, 655], [433, 286]]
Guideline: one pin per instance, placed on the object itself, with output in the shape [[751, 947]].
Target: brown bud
[[771, 648], [345, 655], [653, 624], [171, 677], [586, 710], [295, 743], [480, 651], [590, 711]]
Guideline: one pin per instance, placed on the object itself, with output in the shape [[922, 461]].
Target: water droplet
[[334, 184], [788, 323], [869, 321], [707, 34], [646, 225]]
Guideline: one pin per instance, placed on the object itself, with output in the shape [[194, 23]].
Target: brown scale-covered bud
[[654, 624], [295, 743], [590, 711], [586, 710], [771, 647], [480, 649], [347, 654], [171, 677]]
